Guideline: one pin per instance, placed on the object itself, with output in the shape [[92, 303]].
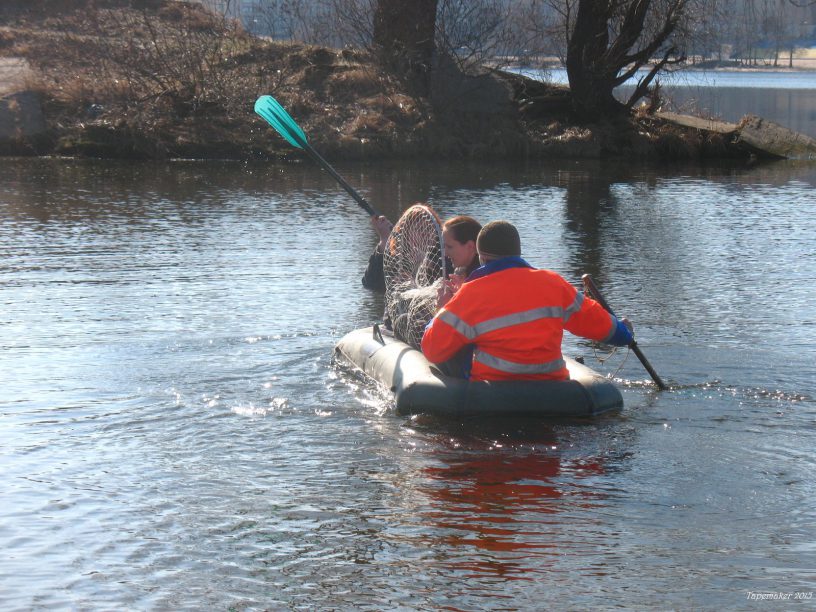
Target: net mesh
[[414, 266]]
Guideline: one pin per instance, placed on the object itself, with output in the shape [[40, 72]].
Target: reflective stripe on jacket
[[515, 317]]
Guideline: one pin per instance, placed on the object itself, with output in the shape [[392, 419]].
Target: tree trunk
[[609, 41], [404, 37], [590, 82]]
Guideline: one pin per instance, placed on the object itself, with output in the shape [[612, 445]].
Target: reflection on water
[[173, 433], [483, 500]]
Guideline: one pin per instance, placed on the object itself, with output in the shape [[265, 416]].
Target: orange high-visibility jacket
[[515, 317]]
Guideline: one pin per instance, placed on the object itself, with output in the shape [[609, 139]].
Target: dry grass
[[361, 80], [172, 80], [175, 68], [165, 78]]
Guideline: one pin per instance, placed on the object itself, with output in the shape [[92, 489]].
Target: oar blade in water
[[276, 116]]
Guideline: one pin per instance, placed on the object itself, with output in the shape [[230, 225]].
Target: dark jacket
[[374, 277]]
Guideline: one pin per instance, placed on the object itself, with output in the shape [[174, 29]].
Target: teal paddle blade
[[276, 116]]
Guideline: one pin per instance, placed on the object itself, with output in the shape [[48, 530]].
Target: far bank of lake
[[785, 97]]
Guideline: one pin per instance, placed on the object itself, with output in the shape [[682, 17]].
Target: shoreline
[[801, 64], [73, 103]]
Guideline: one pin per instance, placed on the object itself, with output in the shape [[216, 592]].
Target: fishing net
[[414, 266]]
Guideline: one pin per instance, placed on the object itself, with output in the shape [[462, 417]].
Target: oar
[[276, 116], [593, 290]]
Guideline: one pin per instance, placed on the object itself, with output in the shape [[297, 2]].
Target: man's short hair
[[498, 239]]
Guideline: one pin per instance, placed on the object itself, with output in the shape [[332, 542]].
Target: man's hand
[[628, 325], [383, 228]]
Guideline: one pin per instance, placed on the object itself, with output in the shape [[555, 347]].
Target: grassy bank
[[165, 79]]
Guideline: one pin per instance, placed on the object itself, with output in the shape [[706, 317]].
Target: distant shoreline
[[807, 64], [800, 64]]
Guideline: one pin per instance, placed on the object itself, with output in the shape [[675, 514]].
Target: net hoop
[[414, 266]]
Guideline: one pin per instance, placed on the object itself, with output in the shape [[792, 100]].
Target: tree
[[403, 37], [609, 41], [478, 32]]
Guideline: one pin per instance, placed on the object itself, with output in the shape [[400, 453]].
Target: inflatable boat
[[420, 387]]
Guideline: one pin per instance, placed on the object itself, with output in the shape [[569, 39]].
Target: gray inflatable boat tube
[[420, 388]]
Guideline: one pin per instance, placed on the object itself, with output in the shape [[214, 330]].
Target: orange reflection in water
[[498, 502]]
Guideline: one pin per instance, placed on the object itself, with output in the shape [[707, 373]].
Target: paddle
[[595, 293], [276, 116]]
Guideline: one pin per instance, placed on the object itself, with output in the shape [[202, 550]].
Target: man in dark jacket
[[374, 277]]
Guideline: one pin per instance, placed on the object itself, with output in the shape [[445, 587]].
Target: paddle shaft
[[327, 167], [596, 294]]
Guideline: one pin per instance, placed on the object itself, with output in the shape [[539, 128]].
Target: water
[[173, 434], [787, 98]]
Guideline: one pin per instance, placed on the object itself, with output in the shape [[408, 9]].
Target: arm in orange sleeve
[[441, 341], [593, 321], [586, 317]]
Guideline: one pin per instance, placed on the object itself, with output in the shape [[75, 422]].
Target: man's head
[[498, 239]]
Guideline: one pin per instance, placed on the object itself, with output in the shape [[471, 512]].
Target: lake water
[[174, 435], [787, 98]]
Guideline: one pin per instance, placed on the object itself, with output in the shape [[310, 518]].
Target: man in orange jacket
[[514, 316]]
